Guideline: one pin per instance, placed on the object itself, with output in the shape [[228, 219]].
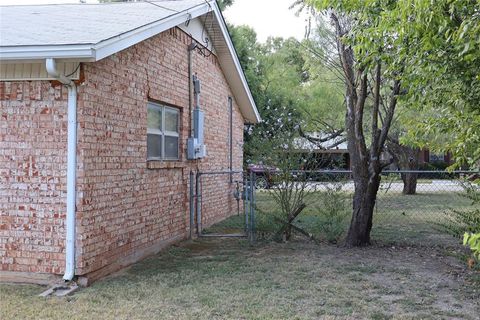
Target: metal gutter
[[42, 52]]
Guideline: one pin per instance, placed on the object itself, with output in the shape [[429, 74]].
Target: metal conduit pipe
[[190, 48], [71, 166]]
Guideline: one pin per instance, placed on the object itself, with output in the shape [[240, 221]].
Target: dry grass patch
[[228, 279]]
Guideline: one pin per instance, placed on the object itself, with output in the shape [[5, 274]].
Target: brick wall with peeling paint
[[32, 176]]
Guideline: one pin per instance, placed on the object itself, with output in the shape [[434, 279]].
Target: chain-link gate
[[222, 204]]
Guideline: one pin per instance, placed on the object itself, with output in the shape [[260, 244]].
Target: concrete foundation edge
[[84, 280]]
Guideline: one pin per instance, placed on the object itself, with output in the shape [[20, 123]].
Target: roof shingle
[[70, 24]]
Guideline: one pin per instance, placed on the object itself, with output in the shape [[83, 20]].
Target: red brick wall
[[32, 176], [125, 206]]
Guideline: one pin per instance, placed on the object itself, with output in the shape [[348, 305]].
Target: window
[[162, 132]]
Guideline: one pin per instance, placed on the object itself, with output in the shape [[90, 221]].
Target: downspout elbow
[[51, 67]]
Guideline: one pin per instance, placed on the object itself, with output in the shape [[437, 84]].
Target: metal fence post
[[251, 207], [246, 192], [192, 205], [392, 210], [254, 203], [198, 204]]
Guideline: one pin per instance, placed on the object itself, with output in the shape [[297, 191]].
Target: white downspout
[[71, 166]]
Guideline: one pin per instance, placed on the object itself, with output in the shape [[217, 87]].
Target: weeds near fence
[[333, 210], [324, 218], [466, 223], [412, 220], [398, 219], [457, 222]]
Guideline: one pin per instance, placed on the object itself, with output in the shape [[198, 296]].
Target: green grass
[[229, 279], [410, 272], [398, 218], [234, 224]]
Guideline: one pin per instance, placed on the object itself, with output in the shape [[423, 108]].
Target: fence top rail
[[429, 171], [201, 173], [392, 171]]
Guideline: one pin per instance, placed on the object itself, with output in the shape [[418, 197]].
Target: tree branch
[[374, 148], [359, 110], [390, 112], [328, 137]]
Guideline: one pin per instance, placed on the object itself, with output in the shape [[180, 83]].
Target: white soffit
[[36, 71]]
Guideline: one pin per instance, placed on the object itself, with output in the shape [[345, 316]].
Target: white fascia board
[[238, 67], [108, 47], [83, 53], [42, 60]]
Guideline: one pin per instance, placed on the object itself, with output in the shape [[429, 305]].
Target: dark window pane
[[171, 147], [171, 120], [154, 146], [154, 118]]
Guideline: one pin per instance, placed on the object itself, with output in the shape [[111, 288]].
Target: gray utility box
[[196, 149]]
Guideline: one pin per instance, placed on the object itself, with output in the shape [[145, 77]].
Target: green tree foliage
[[442, 75], [270, 72], [472, 240], [223, 4], [438, 44], [288, 87]]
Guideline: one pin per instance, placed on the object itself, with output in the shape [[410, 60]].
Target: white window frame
[[164, 133]]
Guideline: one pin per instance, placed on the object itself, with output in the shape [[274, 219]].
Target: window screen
[[162, 132]]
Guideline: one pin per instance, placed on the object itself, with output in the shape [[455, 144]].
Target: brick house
[[97, 104]]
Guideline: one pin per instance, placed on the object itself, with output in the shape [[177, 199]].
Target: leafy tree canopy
[[223, 4], [289, 85], [437, 47]]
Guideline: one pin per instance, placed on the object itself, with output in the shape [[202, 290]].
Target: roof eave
[[94, 52], [105, 48], [75, 52], [110, 46], [254, 117]]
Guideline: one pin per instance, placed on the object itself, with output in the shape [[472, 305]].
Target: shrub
[[332, 210], [458, 222], [472, 240], [266, 222]]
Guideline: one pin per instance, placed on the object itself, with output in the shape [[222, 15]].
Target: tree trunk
[[406, 159], [409, 183], [409, 161], [365, 161], [288, 233], [363, 206]]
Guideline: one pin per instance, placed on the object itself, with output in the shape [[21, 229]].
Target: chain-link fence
[[412, 207], [222, 204]]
